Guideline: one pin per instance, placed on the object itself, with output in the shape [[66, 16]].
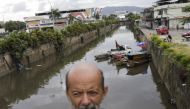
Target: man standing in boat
[[119, 47]]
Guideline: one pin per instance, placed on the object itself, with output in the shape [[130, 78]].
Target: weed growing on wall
[[179, 52]]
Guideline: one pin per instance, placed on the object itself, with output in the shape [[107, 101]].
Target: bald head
[[84, 73]]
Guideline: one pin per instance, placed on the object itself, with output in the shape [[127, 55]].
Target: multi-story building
[[148, 18], [42, 20], [33, 23], [171, 15]]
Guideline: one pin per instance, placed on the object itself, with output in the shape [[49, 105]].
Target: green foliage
[[188, 67], [186, 9], [179, 56], [179, 52], [17, 42], [185, 20], [15, 25], [165, 45], [55, 14], [185, 60], [156, 40], [132, 17]]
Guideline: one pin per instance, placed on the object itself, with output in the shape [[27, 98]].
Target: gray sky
[[18, 9]]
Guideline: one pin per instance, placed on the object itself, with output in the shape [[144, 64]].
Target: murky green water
[[43, 87]]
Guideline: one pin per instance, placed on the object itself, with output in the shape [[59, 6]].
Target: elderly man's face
[[85, 89]]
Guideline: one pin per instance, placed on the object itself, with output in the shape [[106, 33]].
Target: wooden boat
[[115, 51], [121, 62], [138, 55], [102, 56]]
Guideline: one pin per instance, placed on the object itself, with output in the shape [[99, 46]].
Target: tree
[[14, 25], [97, 15], [71, 19], [55, 14], [112, 16], [132, 17], [185, 9]]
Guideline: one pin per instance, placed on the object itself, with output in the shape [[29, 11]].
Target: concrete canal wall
[[173, 75], [33, 55]]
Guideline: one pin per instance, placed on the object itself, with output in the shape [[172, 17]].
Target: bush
[[155, 39], [165, 45], [17, 42], [185, 60]]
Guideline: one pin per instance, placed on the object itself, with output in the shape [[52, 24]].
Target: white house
[[170, 15], [121, 14]]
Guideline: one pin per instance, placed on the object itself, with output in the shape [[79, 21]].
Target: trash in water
[[39, 65], [27, 68]]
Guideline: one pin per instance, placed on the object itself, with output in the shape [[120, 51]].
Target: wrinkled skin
[[85, 88]]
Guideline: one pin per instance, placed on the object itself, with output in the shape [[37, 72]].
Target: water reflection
[[43, 86], [141, 69]]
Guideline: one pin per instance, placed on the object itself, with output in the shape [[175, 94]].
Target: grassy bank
[[179, 52]]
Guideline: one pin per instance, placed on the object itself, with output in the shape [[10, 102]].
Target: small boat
[[121, 62], [138, 55], [102, 56], [118, 56], [116, 51]]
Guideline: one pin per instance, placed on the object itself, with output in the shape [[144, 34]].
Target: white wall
[[173, 12], [2, 30]]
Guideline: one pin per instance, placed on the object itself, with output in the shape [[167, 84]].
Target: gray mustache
[[90, 106]]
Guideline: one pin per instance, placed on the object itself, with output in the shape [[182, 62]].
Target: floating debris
[[28, 68], [39, 65], [172, 101]]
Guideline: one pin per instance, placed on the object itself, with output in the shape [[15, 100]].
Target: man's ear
[[105, 90], [67, 94]]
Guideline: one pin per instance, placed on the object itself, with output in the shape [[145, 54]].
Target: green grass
[[179, 52]]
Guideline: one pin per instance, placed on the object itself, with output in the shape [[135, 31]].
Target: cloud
[[17, 9], [41, 6], [20, 7]]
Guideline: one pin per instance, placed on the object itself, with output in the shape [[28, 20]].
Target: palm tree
[[55, 14], [71, 19]]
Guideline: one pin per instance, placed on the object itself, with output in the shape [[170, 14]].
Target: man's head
[[85, 86]]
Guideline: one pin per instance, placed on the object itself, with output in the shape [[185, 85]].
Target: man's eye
[[92, 93], [76, 94]]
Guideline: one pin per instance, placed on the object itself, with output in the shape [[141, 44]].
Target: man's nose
[[85, 100]]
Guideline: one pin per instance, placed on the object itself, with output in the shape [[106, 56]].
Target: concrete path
[[176, 35]]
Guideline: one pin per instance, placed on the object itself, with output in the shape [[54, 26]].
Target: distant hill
[[111, 10]]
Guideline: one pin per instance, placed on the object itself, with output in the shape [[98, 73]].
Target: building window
[[166, 11], [160, 12]]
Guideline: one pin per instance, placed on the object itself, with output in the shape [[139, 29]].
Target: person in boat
[[121, 47], [85, 86]]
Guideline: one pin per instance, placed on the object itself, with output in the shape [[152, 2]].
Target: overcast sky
[[18, 9]]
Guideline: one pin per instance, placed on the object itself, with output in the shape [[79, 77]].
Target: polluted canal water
[[43, 85]]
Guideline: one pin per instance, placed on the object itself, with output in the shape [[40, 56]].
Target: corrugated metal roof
[[34, 18]]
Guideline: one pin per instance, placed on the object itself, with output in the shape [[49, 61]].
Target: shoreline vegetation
[[17, 42], [178, 52]]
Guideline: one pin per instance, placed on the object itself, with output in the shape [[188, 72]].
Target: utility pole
[[53, 19]]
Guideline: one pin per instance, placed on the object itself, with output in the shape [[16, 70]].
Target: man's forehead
[[84, 69]]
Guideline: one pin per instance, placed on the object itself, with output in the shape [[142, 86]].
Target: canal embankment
[[8, 63], [172, 63]]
